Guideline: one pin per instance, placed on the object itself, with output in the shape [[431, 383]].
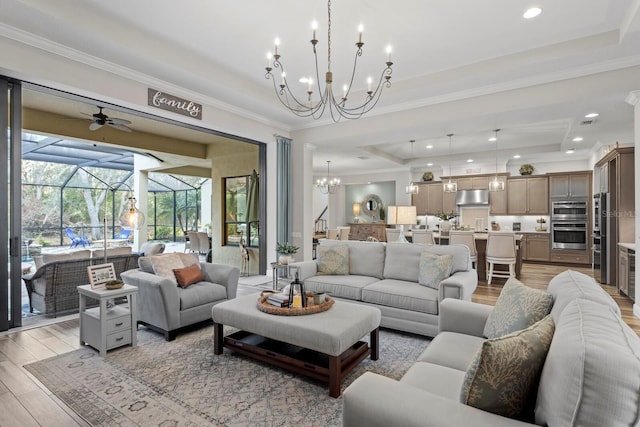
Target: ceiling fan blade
[[119, 127], [118, 121], [94, 126], [85, 114]]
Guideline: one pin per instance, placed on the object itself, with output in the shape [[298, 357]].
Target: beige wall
[[240, 162]]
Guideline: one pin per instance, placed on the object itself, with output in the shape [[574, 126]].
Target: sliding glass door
[[10, 204]]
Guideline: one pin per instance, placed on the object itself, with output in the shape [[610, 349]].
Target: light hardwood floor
[[24, 401]]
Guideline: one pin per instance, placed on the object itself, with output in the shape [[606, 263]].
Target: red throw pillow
[[188, 275]]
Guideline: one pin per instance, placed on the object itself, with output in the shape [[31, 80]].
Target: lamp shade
[[402, 215], [356, 209]]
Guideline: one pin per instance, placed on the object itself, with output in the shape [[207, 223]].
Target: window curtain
[[284, 206]]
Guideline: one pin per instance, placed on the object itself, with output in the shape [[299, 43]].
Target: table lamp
[[402, 215], [356, 212]]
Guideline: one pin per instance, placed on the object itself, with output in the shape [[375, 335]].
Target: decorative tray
[[311, 308]]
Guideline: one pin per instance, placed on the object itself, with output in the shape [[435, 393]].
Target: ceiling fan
[[100, 119]]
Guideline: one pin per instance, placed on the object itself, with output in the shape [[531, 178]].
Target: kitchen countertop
[[631, 246]]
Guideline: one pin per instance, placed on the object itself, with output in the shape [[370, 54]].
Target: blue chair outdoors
[[124, 234], [77, 240]]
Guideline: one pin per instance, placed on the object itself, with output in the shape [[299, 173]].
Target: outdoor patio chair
[[77, 240]]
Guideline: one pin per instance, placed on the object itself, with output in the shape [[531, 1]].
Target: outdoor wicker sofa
[[52, 288]]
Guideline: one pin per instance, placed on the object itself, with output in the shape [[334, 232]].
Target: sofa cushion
[[402, 261], [119, 250], [189, 259], [348, 287], [440, 380], [145, 264], [151, 248], [333, 259], [518, 307], [365, 258], [46, 258], [592, 373], [453, 350], [163, 265], [188, 275], [201, 293], [503, 376], [433, 269], [402, 294], [569, 285]]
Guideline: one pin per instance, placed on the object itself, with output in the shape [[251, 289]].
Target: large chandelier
[[338, 107], [328, 185]]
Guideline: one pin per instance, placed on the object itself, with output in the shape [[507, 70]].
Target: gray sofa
[[385, 275], [590, 377], [166, 307]]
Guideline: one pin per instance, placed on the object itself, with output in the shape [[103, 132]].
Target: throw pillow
[[518, 307], [163, 265], [333, 259], [503, 376], [188, 275], [434, 269], [189, 259]]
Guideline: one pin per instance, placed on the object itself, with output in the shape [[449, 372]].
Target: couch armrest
[[464, 317], [460, 285], [158, 301], [306, 269], [225, 275], [373, 400]]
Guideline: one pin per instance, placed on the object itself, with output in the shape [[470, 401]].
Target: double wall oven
[[569, 220]]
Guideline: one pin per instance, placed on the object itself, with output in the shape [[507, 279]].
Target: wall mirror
[[371, 205]]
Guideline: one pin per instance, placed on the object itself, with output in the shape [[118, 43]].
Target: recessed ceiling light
[[493, 138], [429, 147], [516, 156], [429, 164], [304, 80], [577, 139], [469, 160], [532, 12], [591, 115], [570, 151]]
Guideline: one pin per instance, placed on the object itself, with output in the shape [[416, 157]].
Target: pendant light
[[496, 184], [450, 187], [412, 188]]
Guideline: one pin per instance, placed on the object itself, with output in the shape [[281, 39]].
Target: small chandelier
[[338, 107], [495, 184], [450, 187], [328, 185], [412, 188]]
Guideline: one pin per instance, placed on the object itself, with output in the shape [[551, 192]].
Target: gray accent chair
[[590, 377], [165, 307]]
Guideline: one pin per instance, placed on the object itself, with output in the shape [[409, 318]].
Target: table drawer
[[118, 323], [118, 339]]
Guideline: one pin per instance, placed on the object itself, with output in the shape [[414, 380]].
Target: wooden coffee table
[[325, 346]]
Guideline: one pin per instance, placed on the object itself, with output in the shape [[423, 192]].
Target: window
[[236, 224]]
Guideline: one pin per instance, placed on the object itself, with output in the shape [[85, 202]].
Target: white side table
[[105, 329]]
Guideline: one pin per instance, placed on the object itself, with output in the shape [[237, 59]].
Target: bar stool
[[468, 239], [422, 236], [501, 249], [332, 234], [392, 234], [343, 233]]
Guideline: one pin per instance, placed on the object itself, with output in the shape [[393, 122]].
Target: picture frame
[[100, 274]]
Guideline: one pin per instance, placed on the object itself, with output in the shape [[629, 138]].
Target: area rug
[[182, 383]]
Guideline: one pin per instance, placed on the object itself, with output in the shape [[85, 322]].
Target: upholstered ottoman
[[325, 346]]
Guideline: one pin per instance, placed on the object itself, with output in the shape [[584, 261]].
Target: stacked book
[[279, 300]]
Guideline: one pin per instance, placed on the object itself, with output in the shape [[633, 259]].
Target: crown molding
[[75, 55]]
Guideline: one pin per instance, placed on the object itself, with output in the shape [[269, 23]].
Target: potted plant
[[526, 169], [427, 176], [445, 225], [382, 214], [286, 251]]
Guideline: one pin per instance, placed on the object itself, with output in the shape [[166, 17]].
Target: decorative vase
[[445, 227], [285, 259]]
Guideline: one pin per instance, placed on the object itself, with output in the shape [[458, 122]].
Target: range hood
[[472, 197]]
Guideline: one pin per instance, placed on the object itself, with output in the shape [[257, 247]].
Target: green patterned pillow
[[504, 374], [518, 307], [434, 269], [333, 259]]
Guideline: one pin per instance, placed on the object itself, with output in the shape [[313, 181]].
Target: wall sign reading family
[[174, 104]]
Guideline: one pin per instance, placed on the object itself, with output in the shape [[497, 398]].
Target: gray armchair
[[165, 307]]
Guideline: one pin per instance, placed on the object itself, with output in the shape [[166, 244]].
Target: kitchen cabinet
[[536, 247], [420, 200], [570, 186], [528, 196], [434, 198], [570, 256], [473, 183], [626, 270], [431, 199], [498, 202]]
